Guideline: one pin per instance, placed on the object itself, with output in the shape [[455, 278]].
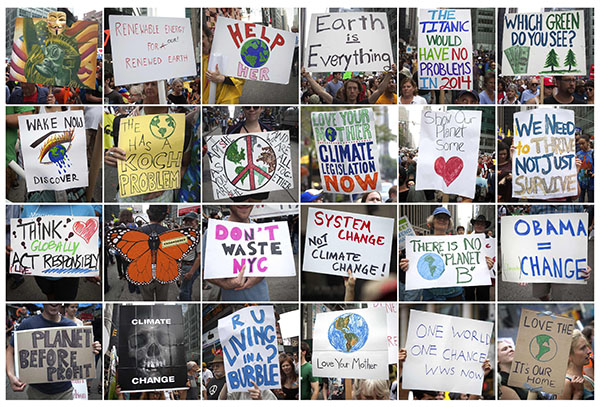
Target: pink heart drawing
[[448, 170], [86, 230]]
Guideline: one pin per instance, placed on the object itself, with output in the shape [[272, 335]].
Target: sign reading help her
[[264, 249], [55, 246]]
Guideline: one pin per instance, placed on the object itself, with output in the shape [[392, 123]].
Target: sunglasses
[[590, 88], [251, 107]]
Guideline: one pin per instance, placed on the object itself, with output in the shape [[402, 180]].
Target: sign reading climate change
[[146, 49], [54, 150], [346, 144], [55, 246], [448, 151], [248, 338], [545, 248], [245, 164], [351, 344], [549, 43], [445, 49], [340, 241], [153, 145], [445, 353], [544, 159], [340, 42], [253, 51]]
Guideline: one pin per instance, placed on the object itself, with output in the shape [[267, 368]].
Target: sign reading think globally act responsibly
[[346, 144]]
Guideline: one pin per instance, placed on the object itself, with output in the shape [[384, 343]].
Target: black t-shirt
[[550, 100], [403, 196], [177, 100], [114, 98], [337, 101], [213, 388]]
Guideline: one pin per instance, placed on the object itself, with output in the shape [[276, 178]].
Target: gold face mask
[[57, 22]]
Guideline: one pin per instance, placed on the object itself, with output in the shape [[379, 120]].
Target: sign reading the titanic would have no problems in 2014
[[340, 241], [248, 338], [341, 42], [245, 164], [545, 248], [54, 150], [445, 353], [146, 49]]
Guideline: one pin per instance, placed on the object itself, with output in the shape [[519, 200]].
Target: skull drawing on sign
[[150, 346]]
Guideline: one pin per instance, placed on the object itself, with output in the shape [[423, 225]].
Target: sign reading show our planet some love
[[448, 151], [346, 144], [340, 42]]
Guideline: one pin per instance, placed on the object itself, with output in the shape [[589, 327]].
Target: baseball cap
[[310, 195]]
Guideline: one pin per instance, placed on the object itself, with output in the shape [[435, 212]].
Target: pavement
[[30, 292]]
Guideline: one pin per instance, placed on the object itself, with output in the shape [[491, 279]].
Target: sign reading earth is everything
[[351, 344], [253, 51]]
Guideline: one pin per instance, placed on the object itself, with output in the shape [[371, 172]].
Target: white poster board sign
[[391, 312], [289, 324]]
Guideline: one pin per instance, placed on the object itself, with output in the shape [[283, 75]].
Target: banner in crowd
[[391, 312], [404, 229]]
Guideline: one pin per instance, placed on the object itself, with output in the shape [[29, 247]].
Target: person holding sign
[[577, 385], [480, 293], [506, 353]]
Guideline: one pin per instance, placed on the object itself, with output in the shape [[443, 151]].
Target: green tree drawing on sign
[[552, 60], [570, 60]]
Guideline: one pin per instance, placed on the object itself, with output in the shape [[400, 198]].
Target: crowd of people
[[178, 91], [546, 90]]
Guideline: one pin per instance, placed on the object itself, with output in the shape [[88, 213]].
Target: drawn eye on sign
[[249, 162], [54, 149]]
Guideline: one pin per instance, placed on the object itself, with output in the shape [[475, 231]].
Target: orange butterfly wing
[[140, 270], [133, 246], [174, 245]]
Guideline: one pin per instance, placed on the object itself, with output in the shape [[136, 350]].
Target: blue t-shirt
[[484, 99]]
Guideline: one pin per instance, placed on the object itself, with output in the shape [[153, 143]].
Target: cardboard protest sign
[[253, 51], [351, 344], [404, 229], [245, 164], [153, 145], [146, 49], [448, 151], [445, 49], [545, 248], [264, 249], [248, 338], [346, 144], [46, 51], [340, 42], [55, 246], [51, 355], [338, 241], [550, 43], [446, 261], [151, 348], [543, 164], [391, 312], [54, 150], [445, 353], [541, 352], [289, 324]]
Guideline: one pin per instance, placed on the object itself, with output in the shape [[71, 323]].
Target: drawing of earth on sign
[[348, 333], [162, 126], [543, 348], [431, 266], [54, 149], [255, 53], [249, 162], [330, 134]]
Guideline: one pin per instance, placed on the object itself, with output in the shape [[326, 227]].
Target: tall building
[[192, 332], [408, 27], [483, 26]]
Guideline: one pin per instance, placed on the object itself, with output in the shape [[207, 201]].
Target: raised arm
[[327, 98]]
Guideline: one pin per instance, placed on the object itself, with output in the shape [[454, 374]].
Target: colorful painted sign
[[404, 229]]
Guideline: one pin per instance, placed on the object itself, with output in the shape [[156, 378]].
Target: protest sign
[[545, 248], [351, 344], [248, 338], [543, 164], [445, 353], [391, 312], [541, 352], [448, 151], [253, 51], [338, 241], [80, 391], [445, 49], [50, 355], [146, 49], [404, 229], [55, 246], [245, 164], [54, 150], [341, 42], [274, 211], [153, 146], [346, 144], [550, 43], [289, 324], [151, 348], [48, 52], [446, 261], [489, 250], [264, 249]]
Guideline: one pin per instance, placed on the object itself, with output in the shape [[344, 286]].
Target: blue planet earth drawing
[[255, 53], [330, 134], [58, 155], [348, 333], [431, 266]]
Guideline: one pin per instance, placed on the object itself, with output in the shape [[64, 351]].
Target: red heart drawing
[[86, 230], [448, 170]]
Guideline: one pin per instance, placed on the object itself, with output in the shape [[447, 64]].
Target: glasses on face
[[589, 89], [534, 84], [251, 107]]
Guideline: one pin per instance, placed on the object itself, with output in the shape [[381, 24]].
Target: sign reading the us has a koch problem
[[340, 241], [445, 353], [249, 341], [346, 144], [545, 248], [263, 249], [55, 246]]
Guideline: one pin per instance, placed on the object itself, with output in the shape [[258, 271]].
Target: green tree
[[570, 59], [552, 60]]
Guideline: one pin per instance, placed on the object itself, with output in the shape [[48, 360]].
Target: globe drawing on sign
[[348, 333], [255, 53], [330, 134], [543, 348], [431, 266], [162, 126], [55, 148]]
